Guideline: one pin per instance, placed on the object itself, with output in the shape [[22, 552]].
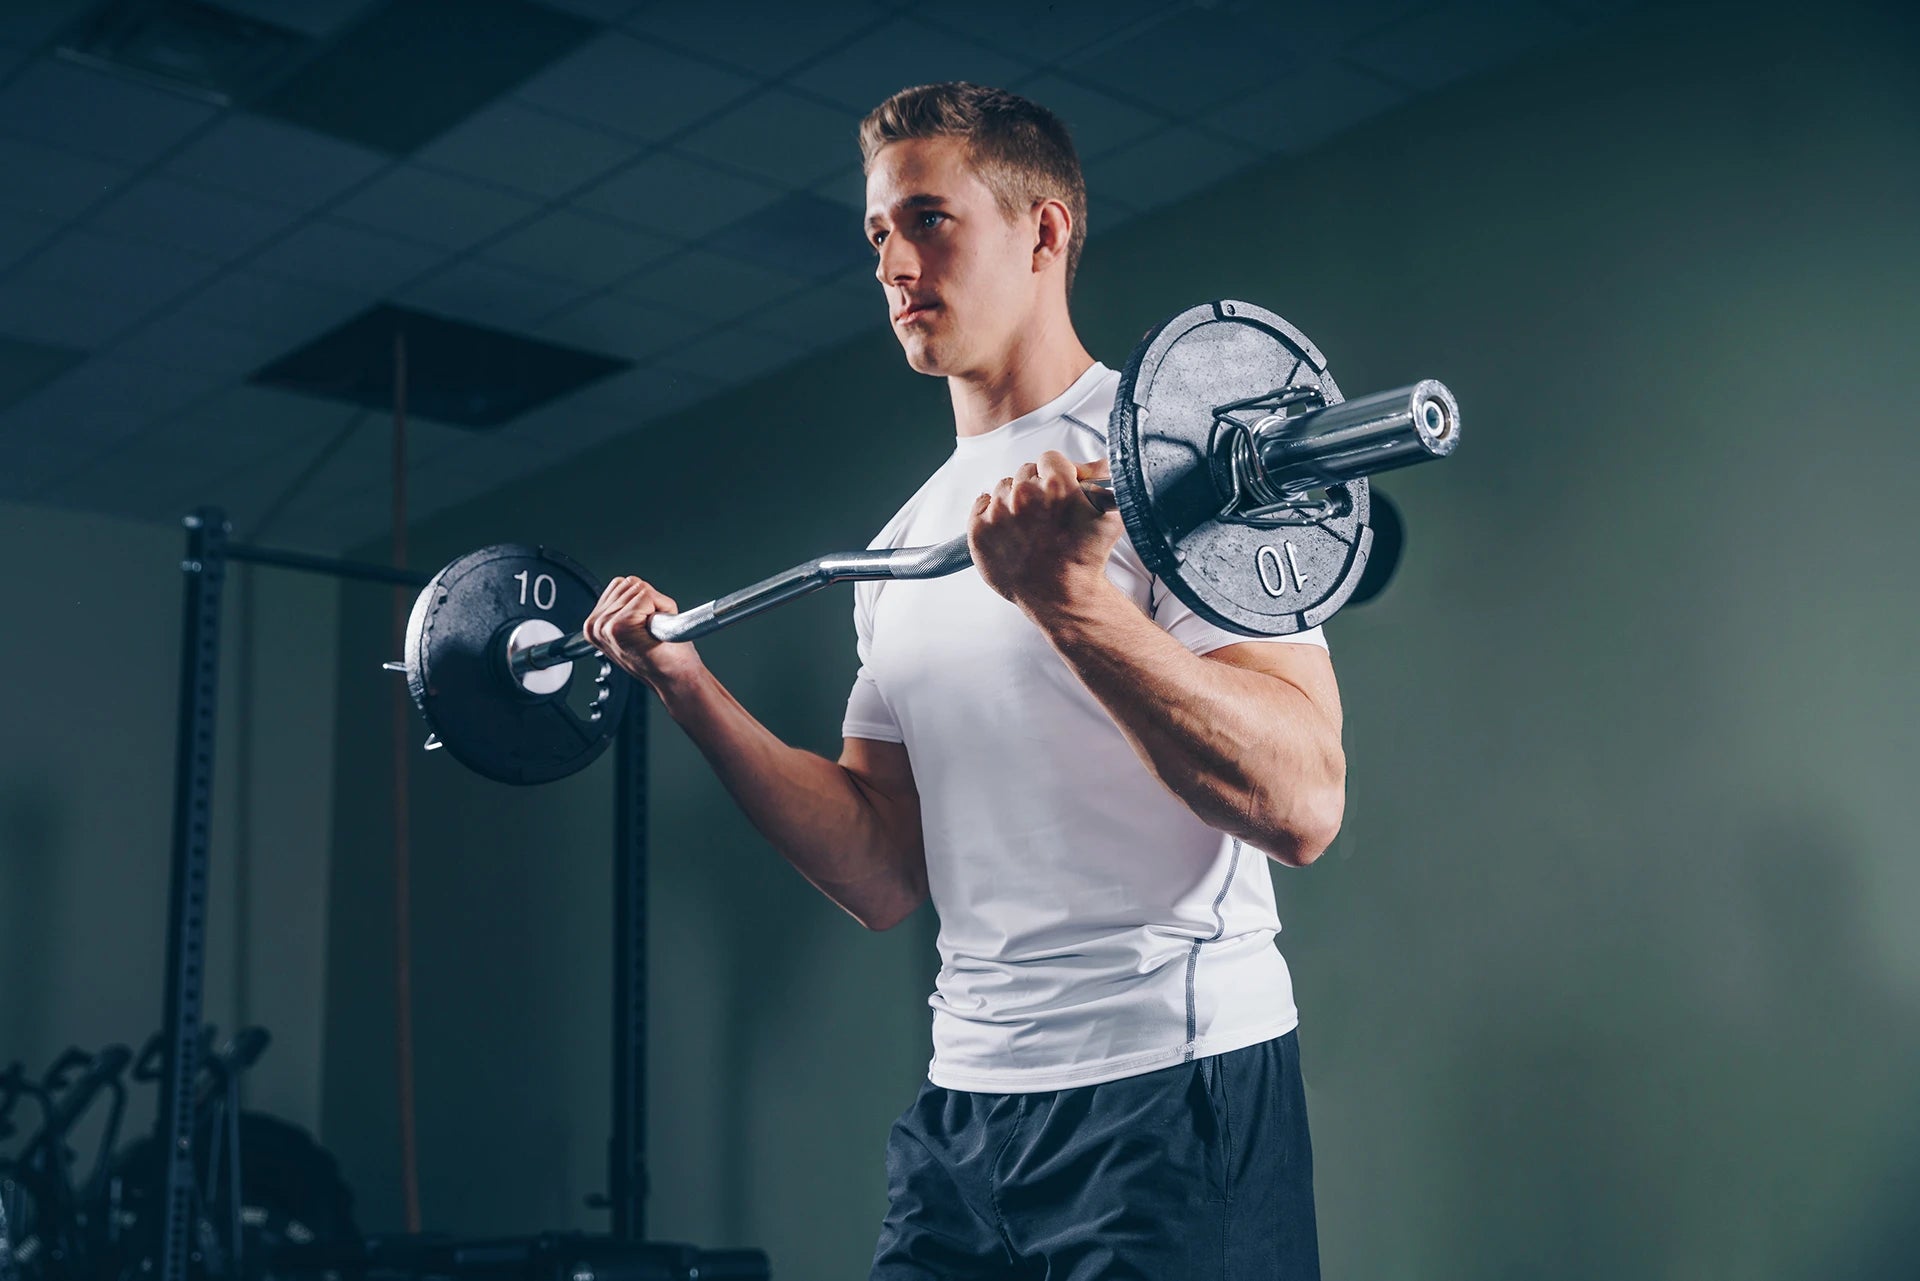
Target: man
[[1080, 772]]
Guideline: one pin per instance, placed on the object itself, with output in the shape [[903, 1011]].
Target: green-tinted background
[[1613, 971]]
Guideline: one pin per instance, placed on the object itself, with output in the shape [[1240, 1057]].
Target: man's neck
[[1034, 372]]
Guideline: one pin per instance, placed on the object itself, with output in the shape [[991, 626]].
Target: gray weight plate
[[1249, 579], [456, 666]]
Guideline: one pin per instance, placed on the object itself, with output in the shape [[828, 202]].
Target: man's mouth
[[914, 312]]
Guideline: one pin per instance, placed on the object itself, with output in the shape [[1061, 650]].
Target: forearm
[[812, 810], [1246, 752]]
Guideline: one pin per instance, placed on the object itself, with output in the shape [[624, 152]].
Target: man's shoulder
[[1090, 412]]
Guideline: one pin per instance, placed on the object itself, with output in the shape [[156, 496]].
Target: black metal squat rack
[[204, 570]]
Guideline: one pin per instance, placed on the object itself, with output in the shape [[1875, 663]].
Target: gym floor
[[1611, 970]]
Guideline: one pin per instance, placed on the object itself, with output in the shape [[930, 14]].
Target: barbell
[[1237, 466]]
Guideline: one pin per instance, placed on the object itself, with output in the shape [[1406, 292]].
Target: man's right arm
[[851, 827]]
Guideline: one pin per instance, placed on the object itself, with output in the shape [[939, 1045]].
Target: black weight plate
[[456, 668], [1248, 579], [1389, 538]]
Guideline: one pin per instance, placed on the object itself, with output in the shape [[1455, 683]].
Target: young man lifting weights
[[1083, 775]]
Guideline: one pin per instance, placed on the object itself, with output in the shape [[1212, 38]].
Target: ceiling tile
[[1596, 11], [495, 454], [615, 407], [636, 395], [342, 526], [1322, 30], [67, 415], [59, 429], [549, 434], [636, 89], [359, 467], [313, 17], [179, 215], [413, 69], [619, 326], [115, 382], [252, 493], [227, 354], [40, 454], [28, 366], [582, 249], [905, 52], [75, 395], [1193, 58], [43, 182], [432, 490], [1167, 167], [457, 372], [607, 11], [91, 112], [678, 197], [1435, 46], [247, 426], [486, 293], [850, 306], [344, 256], [803, 235], [433, 208], [35, 461], [284, 311], [1107, 212], [515, 145], [274, 161], [1303, 109], [778, 136], [57, 314], [147, 479], [1098, 121], [734, 356], [846, 187], [137, 277], [30, 22], [1040, 33], [768, 41], [20, 234], [705, 284]]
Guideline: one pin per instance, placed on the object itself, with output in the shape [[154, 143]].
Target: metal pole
[[402, 821], [326, 565], [205, 571], [627, 1148]]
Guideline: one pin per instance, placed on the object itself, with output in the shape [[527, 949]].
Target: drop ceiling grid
[[1144, 150]]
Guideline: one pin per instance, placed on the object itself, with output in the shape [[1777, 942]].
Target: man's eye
[[930, 214]]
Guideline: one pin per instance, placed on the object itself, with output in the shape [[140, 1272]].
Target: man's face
[[958, 275]]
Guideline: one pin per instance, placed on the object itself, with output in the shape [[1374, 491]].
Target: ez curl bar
[[1237, 466]]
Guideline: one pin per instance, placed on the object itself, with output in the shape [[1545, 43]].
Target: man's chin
[[923, 357]]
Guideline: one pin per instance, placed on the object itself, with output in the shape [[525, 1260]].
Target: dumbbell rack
[[204, 571]]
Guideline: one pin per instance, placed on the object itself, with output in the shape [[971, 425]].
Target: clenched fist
[[1036, 539], [618, 628]]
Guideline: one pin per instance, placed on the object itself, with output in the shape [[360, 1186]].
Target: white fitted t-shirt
[[1091, 927]]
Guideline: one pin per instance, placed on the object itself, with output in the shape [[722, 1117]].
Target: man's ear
[[1053, 231]]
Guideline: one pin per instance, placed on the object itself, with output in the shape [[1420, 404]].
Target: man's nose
[[897, 262]]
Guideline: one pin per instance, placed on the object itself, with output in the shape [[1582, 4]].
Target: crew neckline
[[1081, 388]]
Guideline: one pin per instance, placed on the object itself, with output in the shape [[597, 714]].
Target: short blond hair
[[1022, 151]]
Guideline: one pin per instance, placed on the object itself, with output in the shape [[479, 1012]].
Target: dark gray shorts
[[1202, 1170]]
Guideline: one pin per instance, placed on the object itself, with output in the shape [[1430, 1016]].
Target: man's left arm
[[1248, 737]]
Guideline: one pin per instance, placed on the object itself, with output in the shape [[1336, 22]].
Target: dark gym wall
[[86, 800], [1611, 972]]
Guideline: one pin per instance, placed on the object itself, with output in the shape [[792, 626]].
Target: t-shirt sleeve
[[868, 715], [1200, 636]]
